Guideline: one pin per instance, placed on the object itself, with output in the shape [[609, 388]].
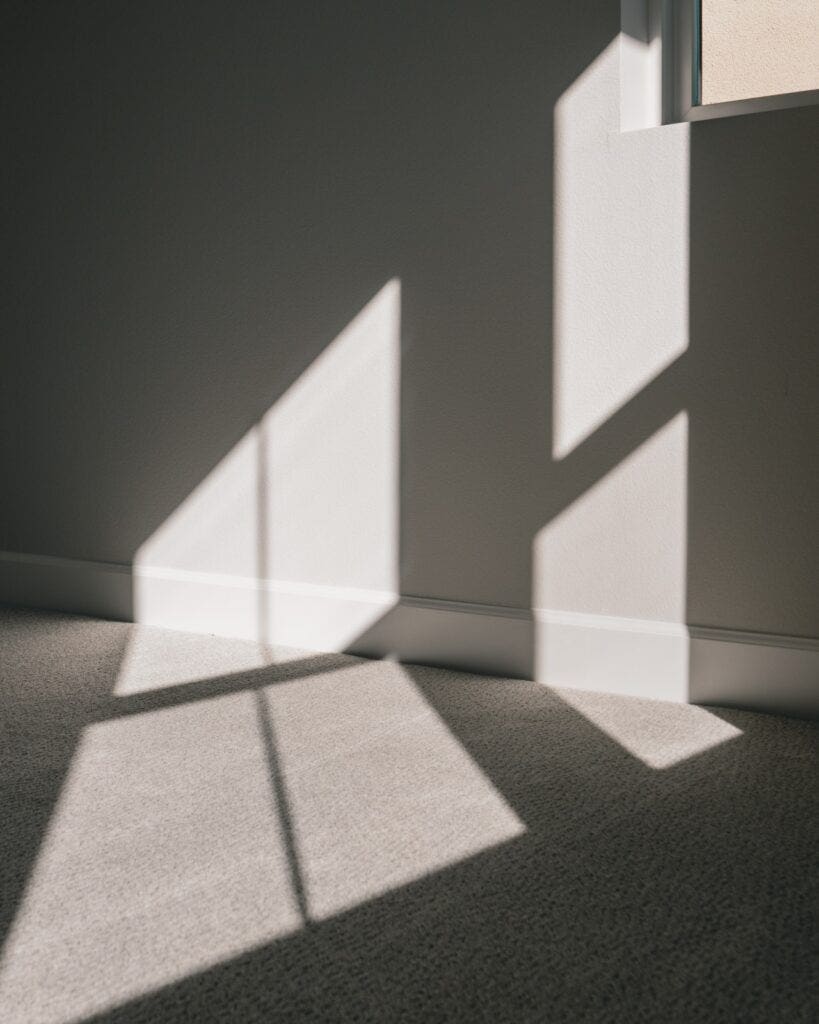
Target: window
[[746, 50], [689, 60]]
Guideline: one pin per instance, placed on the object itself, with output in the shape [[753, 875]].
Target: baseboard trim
[[635, 657], [771, 672], [104, 589]]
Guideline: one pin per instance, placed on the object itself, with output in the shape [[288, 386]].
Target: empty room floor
[[197, 829]]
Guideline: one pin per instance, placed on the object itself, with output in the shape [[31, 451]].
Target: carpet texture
[[203, 830]]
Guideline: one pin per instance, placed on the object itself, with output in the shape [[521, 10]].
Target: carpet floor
[[202, 830]]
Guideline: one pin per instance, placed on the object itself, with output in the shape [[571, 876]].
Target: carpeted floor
[[200, 830]]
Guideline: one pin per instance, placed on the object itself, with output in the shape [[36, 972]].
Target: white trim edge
[[753, 105], [636, 657]]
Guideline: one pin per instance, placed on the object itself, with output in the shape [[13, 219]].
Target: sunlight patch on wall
[[305, 505], [216, 527], [658, 740], [609, 578], [620, 548], [330, 466], [620, 253], [191, 834]]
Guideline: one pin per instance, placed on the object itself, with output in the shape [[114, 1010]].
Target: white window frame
[[660, 72]]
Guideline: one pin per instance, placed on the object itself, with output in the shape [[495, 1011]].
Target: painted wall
[[390, 280]]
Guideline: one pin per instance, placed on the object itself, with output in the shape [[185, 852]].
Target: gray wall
[[199, 197]]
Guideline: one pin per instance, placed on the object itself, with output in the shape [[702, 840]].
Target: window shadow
[[677, 894], [668, 895], [650, 899], [55, 673]]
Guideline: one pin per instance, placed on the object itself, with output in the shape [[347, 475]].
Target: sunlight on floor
[[658, 740], [156, 659], [186, 835], [381, 791]]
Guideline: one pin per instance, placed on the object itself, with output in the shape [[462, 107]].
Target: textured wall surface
[[607, 372], [758, 48]]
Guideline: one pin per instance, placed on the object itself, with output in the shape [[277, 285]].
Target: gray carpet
[[199, 830]]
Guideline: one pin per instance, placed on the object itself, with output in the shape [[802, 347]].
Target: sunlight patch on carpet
[[658, 733], [157, 659], [187, 835]]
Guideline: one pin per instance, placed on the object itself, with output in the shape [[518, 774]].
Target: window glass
[[755, 48]]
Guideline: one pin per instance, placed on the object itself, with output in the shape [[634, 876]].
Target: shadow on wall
[[185, 245], [211, 229], [309, 494], [752, 377], [196, 239]]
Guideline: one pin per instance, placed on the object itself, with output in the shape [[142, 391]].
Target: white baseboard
[[666, 661], [779, 674], [271, 612], [103, 589], [490, 639], [633, 657], [663, 661]]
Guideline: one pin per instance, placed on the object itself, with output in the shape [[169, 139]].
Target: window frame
[[682, 89]]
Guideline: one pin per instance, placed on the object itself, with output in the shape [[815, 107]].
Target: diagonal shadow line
[[332, 940], [219, 686], [619, 436], [281, 803], [211, 688], [496, 755], [320, 937], [262, 536]]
